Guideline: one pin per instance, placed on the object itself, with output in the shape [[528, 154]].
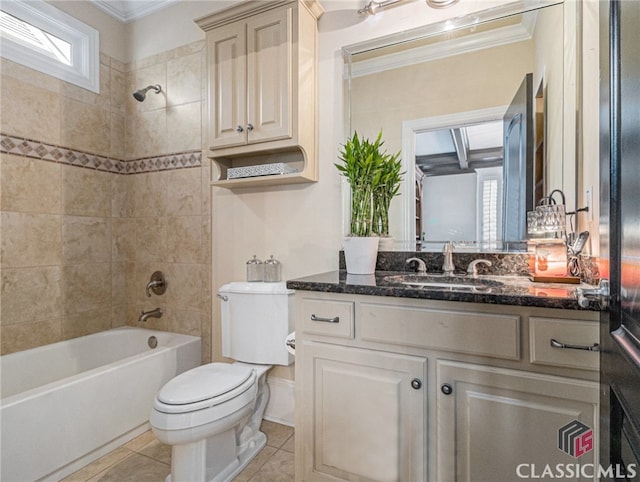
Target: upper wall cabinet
[[262, 92]]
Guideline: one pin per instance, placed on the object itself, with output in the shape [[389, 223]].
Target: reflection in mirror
[[446, 85]]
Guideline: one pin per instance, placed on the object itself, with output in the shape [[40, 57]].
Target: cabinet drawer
[[327, 317], [570, 332], [460, 331]]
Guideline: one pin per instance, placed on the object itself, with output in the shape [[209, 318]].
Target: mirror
[[430, 90]]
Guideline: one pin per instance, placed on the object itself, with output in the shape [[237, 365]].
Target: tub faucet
[[157, 313], [447, 266]]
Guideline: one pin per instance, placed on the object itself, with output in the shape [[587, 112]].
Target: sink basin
[[453, 283]]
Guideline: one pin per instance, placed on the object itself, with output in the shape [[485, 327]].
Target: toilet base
[[242, 459]]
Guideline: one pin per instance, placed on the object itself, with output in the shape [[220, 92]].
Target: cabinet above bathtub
[[262, 109]]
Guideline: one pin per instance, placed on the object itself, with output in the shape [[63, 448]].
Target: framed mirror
[[482, 109]]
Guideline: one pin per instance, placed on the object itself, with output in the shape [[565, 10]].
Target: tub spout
[[157, 313]]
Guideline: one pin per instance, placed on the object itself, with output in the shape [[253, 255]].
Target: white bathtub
[[66, 404]]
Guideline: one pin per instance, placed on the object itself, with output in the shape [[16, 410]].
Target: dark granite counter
[[514, 290]]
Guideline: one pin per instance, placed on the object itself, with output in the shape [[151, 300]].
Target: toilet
[[211, 415]]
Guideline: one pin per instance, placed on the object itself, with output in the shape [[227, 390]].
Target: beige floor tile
[[279, 468], [99, 465], [140, 441], [158, 451], [249, 471], [290, 444], [276, 433], [136, 468]]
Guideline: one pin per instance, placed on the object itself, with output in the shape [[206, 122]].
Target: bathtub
[[66, 404]]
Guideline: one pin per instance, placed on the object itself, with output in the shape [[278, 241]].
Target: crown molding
[[128, 10]]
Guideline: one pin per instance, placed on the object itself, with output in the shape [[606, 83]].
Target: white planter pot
[[360, 254]]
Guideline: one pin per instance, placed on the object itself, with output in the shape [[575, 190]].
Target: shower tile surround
[[97, 192]]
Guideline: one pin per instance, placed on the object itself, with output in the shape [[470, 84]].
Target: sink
[[453, 283]]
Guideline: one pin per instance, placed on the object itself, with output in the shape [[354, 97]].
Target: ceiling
[[128, 10]]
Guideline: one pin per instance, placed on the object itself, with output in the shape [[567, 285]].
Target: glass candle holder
[[551, 258]]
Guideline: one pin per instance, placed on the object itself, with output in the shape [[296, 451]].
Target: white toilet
[[211, 415]]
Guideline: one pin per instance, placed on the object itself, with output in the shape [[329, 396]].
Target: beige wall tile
[[86, 239], [86, 192], [150, 132], [122, 196], [151, 239], [150, 197], [85, 323], [184, 239], [29, 111], [183, 194], [30, 239], [117, 143], [184, 321], [86, 127], [119, 288], [29, 335], [29, 185], [184, 131], [86, 287], [30, 294], [123, 239], [186, 281], [184, 79]]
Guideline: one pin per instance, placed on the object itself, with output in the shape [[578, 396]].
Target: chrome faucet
[[422, 267], [472, 269], [157, 313], [447, 266]]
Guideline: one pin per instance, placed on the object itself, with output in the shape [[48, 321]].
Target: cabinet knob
[[249, 127], [446, 389], [416, 384], [239, 129]]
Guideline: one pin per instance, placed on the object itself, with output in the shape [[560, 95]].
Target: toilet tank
[[256, 319]]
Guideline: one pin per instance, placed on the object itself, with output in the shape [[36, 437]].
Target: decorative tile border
[[48, 152]]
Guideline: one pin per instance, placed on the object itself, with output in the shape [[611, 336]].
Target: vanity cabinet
[[262, 90], [414, 390], [491, 420], [369, 409]]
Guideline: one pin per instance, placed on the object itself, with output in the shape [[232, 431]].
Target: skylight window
[[42, 37]]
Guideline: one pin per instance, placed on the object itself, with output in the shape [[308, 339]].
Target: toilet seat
[[204, 387]]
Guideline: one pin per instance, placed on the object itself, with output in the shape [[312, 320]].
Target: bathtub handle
[[157, 284], [223, 297]]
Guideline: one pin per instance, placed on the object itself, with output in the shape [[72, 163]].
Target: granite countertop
[[515, 290]]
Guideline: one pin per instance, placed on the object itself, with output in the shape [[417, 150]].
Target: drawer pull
[[335, 319], [556, 344]]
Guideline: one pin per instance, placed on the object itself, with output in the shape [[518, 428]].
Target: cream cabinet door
[[498, 425], [227, 90], [364, 415], [269, 74]]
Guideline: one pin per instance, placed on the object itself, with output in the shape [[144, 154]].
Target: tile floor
[[145, 459]]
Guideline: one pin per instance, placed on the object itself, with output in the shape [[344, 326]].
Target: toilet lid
[[203, 383]]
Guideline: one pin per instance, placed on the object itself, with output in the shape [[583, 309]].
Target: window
[[44, 38]]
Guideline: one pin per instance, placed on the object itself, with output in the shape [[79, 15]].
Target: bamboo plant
[[373, 176], [387, 189]]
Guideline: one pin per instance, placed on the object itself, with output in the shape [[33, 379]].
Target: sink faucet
[[422, 267], [447, 266], [472, 269], [157, 313]]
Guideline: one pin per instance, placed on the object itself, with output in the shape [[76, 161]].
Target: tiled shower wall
[[97, 191]]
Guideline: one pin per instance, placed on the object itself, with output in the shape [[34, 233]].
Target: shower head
[[139, 95]]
